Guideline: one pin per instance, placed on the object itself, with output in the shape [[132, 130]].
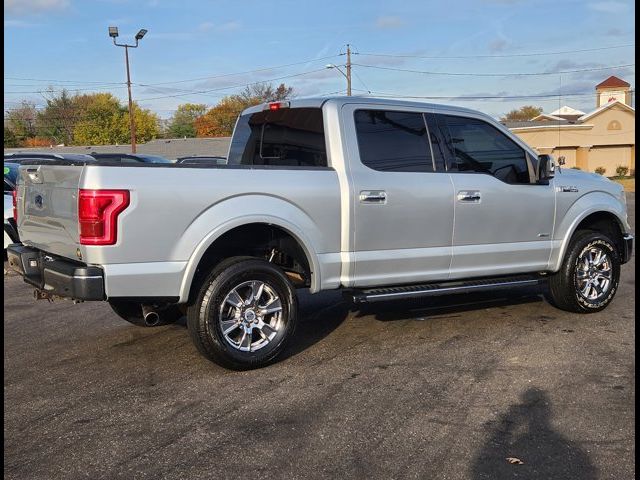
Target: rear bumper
[[627, 248], [55, 275]]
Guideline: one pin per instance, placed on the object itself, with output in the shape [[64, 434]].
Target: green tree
[[57, 120], [183, 121], [21, 121], [524, 113], [10, 139], [104, 121], [147, 124]]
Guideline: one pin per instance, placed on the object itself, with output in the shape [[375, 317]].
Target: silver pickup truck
[[384, 199]]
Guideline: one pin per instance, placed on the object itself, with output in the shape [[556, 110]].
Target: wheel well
[[257, 240], [606, 223]]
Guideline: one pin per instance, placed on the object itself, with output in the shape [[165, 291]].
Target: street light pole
[[131, 114], [331, 65], [113, 33]]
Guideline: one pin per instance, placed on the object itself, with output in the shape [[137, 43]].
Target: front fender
[[265, 209], [586, 205]]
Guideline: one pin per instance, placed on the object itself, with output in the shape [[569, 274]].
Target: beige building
[[604, 137]]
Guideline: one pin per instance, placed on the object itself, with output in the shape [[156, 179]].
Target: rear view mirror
[[546, 169]]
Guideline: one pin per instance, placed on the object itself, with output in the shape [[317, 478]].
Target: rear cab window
[[287, 137]]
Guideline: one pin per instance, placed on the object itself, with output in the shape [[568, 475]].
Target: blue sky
[[193, 46]]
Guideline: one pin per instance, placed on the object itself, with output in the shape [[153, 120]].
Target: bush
[[621, 171], [576, 168], [601, 170]]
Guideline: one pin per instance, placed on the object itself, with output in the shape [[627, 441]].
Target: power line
[[506, 55], [506, 74], [262, 69], [62, 81], [484, 97], [44, 90], [245, 72], [232, 86]]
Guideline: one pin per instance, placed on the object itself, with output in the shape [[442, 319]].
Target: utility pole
[[113, 33], [131, 114], [348, 70]]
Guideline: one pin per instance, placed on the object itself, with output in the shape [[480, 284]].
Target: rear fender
[[264, 209]]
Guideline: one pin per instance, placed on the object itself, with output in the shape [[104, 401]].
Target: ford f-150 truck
[[384, 199]]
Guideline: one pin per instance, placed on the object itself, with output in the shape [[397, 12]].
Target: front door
[[503, 220]]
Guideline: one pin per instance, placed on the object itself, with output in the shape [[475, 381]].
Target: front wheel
[[244, 313], [589, 276]]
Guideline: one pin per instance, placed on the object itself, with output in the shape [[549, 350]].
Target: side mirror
[[546, 169]]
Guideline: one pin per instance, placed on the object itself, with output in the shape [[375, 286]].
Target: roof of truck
[[316, 102]]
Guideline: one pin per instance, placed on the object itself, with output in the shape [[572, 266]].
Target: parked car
[[21, 157], [202, 160], [10, 231], [385, 199], [129, 158]]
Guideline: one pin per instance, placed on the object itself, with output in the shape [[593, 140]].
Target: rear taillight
[[14, 194], [98, 212]]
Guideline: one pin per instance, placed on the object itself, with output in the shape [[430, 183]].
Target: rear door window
[[393, 141]]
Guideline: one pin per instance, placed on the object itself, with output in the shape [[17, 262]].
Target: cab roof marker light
[[276, 105]]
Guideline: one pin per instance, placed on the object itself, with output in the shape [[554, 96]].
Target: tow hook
[[42, 295]]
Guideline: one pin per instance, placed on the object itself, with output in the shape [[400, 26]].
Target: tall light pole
[[113, 33]]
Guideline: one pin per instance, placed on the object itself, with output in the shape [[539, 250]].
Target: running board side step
[[442, 288]]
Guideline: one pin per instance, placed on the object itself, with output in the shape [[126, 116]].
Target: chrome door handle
[[373, 196], [469, 196]]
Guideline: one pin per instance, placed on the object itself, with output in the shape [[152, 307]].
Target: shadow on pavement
[[525, 432]]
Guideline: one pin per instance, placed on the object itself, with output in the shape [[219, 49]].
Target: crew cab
[[384, 199]]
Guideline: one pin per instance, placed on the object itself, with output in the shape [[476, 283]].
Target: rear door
[[503, 219], [48, 208], [402, 219]]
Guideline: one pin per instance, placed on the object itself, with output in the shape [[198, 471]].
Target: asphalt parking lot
[[447, 389]]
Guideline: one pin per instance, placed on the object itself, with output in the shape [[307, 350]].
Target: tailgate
[[48, 208]]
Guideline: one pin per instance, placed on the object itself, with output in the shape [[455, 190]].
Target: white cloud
[[20, 7], [18, 24], [389, 22], [206, 26], [229, 26], [609, 6], [222, 27]]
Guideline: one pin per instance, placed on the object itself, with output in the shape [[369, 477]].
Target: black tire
[[132, 313], [564, 286], [205, 315]]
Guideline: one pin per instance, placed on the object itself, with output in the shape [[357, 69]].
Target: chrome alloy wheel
[[593, 273], [250, 315]]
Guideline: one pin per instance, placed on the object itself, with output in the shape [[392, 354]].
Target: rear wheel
[[589, 276], [244, 313]]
